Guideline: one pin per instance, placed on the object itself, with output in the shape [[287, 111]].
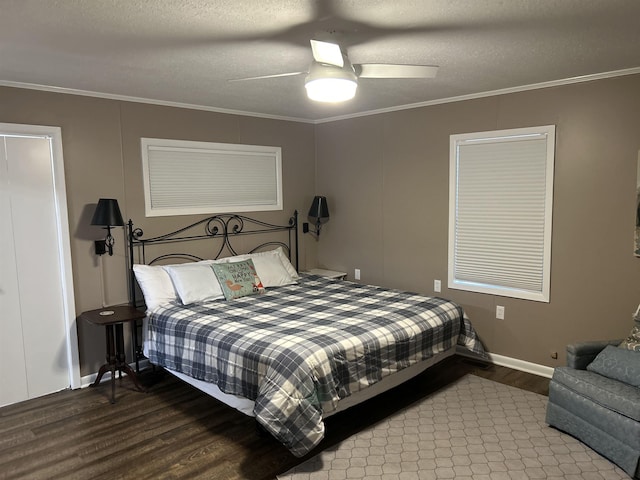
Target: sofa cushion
[[619, 364], [581, 354], [611, 394]]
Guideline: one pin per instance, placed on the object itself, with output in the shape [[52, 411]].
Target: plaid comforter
[[296, 350]]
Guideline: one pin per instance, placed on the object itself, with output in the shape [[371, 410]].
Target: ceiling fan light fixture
[[327, 83], [331, 90]]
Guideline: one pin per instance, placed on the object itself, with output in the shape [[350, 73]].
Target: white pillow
[[287, 263], [155, 284], [269, 267], [194, 282]]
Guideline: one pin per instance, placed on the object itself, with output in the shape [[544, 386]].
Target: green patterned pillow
[[632, 342], [238, 279]]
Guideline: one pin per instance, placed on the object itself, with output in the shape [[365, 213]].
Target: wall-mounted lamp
[[107, 215], [318, 214]]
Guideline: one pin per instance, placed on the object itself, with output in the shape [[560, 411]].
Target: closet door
[[33, 347]]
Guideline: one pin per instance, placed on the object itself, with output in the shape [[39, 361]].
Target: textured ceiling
[[186, 51]]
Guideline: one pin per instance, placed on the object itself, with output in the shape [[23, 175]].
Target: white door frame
[[54, 135]]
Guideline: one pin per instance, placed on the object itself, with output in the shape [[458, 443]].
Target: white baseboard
[[87, 380], [516, 364]]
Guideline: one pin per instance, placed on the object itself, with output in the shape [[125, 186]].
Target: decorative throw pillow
[[619, 364], [238, 279], [632, 342], [269, 267]]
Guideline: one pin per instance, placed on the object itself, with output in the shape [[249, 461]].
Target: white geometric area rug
[[472, 429]]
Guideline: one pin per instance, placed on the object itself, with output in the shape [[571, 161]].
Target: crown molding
[[491, 93], [440, 101], [150, 101]]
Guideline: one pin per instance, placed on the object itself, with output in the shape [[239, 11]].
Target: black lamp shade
[[107, 213], [319, 211]]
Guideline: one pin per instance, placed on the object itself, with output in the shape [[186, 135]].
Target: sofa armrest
[[581, 354]]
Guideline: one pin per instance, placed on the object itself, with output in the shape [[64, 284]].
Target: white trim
[[178, 163], [151, 101], [515, 363], [440, 101], [64, 237], [490, 93], [57, 161], [468, 256], [87, 380]]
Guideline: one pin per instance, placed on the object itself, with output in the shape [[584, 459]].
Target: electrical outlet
[[437, 286], [356, 274], [499, 312]]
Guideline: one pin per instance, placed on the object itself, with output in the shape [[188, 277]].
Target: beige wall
[[101, 143], [386, 181]]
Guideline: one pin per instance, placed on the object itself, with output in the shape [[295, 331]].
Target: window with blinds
[[500, 206], [184, 177]]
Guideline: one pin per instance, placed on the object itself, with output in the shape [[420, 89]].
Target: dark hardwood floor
[[176, 432]]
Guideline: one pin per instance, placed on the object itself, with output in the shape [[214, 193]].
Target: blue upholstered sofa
[[596, 398]]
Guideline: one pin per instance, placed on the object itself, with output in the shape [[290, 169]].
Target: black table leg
[[121, 360], [116, 360], [111, 363], [136, 347]]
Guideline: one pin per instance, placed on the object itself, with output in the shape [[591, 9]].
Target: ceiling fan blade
[[325, 52], [260, 77], [386, 70]]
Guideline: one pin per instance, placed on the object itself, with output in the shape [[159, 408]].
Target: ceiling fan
[[333, 78]]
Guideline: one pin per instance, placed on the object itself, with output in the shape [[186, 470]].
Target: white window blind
[[183, 177], [501, 196]]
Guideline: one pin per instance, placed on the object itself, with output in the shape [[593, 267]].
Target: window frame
[[222, 152], [499, 136]]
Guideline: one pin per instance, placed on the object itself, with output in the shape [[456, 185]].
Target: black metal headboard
[[221, 229]]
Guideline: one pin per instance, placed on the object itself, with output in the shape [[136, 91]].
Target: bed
[[290, 349]]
